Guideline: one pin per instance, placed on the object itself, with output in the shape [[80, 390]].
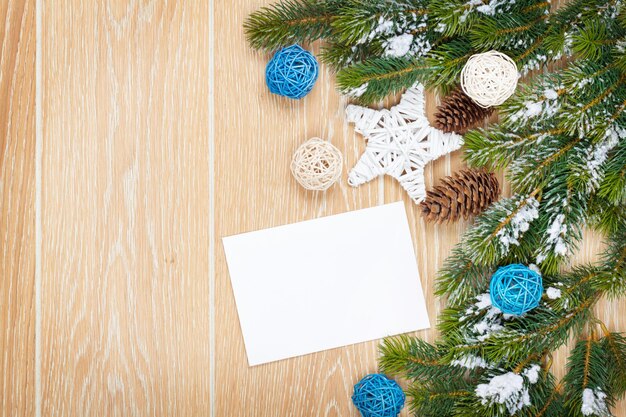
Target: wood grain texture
[[17, 208], [256, 133], [125, 209]]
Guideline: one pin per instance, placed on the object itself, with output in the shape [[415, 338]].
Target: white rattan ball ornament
[[317, 164], [489, 78]]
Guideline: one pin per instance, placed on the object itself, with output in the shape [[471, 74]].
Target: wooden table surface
[[133, 136]]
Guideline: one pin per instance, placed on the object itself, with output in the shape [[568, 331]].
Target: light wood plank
[[17, 208], [256, 134], [125, 209]]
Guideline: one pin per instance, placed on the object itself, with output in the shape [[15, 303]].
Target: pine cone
[[467, 192], [458, 113]]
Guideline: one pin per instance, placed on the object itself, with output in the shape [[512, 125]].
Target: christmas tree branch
[[414, 358], [553, 396], [460, 278], [379, 77], [291, 21], [496, 148], [501, 228]]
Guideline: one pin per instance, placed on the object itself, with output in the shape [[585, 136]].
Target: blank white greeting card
[[325, 283]]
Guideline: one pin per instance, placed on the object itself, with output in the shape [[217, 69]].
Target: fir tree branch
[[460, 278], [438, 397], [496, 147], [526, 361], [563, 214], [501, 228], [555, 393], [591, 41], [613, 185], [358, 19], [413, 358], [290, 21], [543, 331], [492, 33], [588, 370], [507, 220], [532, 170], [615, 343], [612, 280], [575, 288], [543, 6], [380, 76], [451, 394], [603, 95], [521, 57], [587, 361]]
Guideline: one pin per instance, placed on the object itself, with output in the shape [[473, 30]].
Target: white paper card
[[325, 283]]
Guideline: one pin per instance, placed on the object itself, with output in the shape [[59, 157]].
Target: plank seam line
[[38, 192], [212, 240]]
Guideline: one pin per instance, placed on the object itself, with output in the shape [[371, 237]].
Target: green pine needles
[[490, 364], [562, 143], [374, 45], [380, 47]]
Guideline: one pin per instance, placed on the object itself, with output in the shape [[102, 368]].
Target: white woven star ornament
[[400, 142]]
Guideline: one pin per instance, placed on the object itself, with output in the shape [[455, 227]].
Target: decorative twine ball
[[378, 396], [515, 289], [292, 72], [317, 164], [489, 78]]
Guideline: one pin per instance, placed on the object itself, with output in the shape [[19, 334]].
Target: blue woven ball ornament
[[378, 396], [292, 72], [515, 289]]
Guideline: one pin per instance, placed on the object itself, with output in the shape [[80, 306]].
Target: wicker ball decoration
[[317, 164], [489, 78], [515, 289], [292, 72], [378, 396]]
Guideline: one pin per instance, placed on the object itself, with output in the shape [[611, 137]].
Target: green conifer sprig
[[561, 226], [502, 32], [439, 397], [613, 281], [460, 278], [291, 21], [613, 185], [380, 76], [454, 17], [500, 229], [519, 339], [604, 216], [589, 376], [497, 147], [445, 64], [361, 20], [542, 331], [415, 359], [444, 33], [614, 344], [362, 30], [537, 392], [340, 55], [542, 164]]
